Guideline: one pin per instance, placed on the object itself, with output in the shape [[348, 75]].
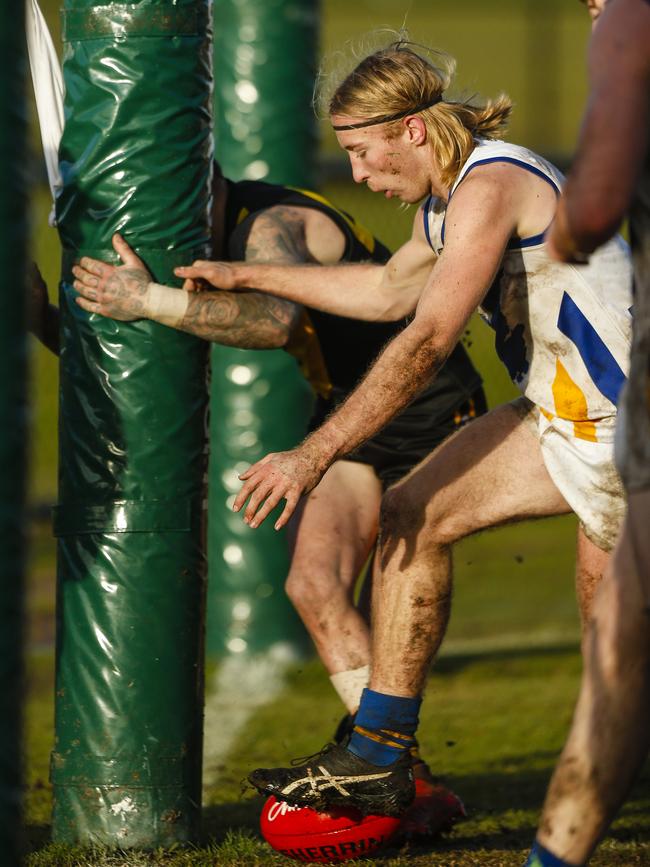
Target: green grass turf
[[492, 723], [498, 704]]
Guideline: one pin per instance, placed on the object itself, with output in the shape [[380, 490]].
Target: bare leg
[[332, 537], [487, 474], [610, 734], [591, 564]]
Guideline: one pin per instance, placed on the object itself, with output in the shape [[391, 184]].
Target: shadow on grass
[[242, 815], [37, 836], [456, 662]]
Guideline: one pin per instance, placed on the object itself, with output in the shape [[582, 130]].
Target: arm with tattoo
[[245, 319]]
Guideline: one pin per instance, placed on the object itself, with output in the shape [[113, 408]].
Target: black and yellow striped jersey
[[334, 351]]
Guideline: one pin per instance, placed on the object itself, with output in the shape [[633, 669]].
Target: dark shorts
[[408, 438]]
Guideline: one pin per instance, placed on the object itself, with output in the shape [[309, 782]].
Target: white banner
[[47, 79]]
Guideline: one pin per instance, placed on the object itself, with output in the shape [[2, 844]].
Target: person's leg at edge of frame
[[610, 733], [592, 562]]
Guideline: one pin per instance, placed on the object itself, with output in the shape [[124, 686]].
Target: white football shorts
[[583, 470]]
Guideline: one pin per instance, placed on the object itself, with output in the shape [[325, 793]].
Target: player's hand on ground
[[203, 274], [277, 476], [119, 292]]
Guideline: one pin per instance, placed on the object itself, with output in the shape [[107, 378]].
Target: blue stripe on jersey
[[425, 216], [599, 361], [524, 242], [515, 162]]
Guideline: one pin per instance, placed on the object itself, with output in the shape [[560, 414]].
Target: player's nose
[[359, 173]]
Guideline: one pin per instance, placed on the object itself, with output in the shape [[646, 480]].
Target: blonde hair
[[397, 78]]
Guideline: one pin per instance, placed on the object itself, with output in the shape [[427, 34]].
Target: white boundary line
[[241, 685]]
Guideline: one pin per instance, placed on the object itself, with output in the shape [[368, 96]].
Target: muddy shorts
[[582, 470]]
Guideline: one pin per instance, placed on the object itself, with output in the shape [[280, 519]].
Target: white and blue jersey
[[562, 331]]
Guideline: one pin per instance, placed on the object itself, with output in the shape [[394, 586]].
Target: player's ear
[[416, 129]]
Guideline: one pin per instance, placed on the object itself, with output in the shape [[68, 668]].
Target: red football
[[339, 834]]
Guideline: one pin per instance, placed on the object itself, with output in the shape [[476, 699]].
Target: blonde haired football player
[[563, 332]]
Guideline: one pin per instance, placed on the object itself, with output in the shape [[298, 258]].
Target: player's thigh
[[489, 473], [336, 526]]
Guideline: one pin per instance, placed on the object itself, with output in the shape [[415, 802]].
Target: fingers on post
[[190, 273], [85, 282], [125, 252], [85, 290], [92, 266]]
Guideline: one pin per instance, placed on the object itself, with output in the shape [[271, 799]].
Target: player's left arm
[[613, 141], [480, 219]]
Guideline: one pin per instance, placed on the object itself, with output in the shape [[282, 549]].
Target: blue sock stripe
[[541, 857], [393, 712]]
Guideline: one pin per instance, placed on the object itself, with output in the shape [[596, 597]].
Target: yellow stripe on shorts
[[571, 404]]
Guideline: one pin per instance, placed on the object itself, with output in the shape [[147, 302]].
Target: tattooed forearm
[[248, 320]]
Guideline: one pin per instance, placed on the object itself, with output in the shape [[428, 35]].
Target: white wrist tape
[[166, 305], [350, 684]]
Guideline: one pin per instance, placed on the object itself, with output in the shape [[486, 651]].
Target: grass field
[[498, 704], [500, 698]]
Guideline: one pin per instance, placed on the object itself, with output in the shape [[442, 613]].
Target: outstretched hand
[[277, 476], [220, 275], [118, 292]]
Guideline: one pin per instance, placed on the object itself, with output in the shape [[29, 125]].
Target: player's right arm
[[364, 290]]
